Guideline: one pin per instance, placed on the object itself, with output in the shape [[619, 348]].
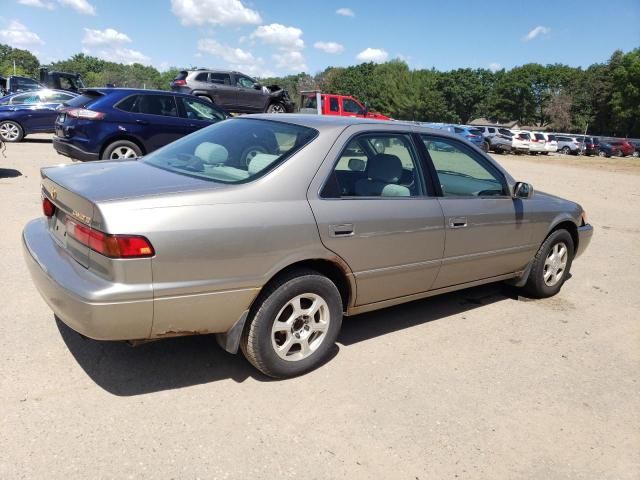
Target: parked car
[[71, 82], [625, 147], [474, 137], [636, 145], [17, 84], [315, 102], [551, 145], [22, 114], [109, 123], [569, 145], [589, 145], [233, 91], [497, 139], [191, 240], [537, 143], [520, 141], [607, 150]]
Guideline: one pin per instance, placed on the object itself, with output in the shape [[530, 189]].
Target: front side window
[[233, 151], [460, 173], [245, 82], [196, 110], [351, 106], [164, 105], [379, 165]]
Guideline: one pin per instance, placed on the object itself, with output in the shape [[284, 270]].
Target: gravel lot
[[474, 384]]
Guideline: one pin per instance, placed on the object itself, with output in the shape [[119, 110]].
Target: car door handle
[[457, 222], [342, 230]]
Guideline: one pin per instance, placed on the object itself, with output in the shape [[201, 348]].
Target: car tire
[[250, 152], [485, 147], [121, 149], [635, 154], [276, 107], [602, 154], [619, 154], [284, 341], [11, 132], [551, 265]]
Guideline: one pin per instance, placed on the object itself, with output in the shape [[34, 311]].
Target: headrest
[[211, 153], [385, 168], [260, 162]]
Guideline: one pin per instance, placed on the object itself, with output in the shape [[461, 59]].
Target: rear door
[[158, 122], [224, 93], [487, 231], [375, 212]]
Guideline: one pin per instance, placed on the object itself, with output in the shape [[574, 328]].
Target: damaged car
[[233, 91]]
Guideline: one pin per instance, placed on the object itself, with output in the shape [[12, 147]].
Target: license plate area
[[59, 228]]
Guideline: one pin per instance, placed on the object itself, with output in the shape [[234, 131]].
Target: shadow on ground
[[10, 173], [181, 362], [37, 140]]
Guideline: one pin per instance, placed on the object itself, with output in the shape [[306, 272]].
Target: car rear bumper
[[585, 233], [69, 150], [72, 290]]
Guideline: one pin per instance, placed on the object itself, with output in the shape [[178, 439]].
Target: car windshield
[[232, 151]]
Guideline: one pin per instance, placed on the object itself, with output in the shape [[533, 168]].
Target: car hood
[[121, 179]]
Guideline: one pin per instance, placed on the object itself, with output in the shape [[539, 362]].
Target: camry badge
[[54, 193]]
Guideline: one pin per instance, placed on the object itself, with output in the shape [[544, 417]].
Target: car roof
[[127, 91]]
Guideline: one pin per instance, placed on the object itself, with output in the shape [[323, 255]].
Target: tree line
[[605, 97]]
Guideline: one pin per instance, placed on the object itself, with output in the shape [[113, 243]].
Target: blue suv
[[472, 135], [110, 123]]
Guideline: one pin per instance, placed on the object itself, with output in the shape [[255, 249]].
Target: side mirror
[[523, 190], [365, 112], [257, 86]]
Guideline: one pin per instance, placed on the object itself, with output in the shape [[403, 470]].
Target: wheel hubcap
[[555, 264], [123, 152], [300, 327], [9, 131], [277, 109]]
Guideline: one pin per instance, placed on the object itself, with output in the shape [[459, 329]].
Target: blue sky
[[267, 37]]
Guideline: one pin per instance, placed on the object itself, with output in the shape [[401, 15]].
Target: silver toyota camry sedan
[[265, 230]]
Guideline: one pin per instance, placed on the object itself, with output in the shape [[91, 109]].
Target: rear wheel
[[294, 325], [205, 98], [11, 131], [551, 265], [121, 149], [565, 150], [602, 154], [635, 153]]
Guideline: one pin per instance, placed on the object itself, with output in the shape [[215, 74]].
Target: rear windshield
[[83, 100], [182, 75], [524, 136], [552, 138], [232, 151], [539, 136]]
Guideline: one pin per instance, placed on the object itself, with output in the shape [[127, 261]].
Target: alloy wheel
[[555, 264], [300, 327], [123, 152], [9, 132]]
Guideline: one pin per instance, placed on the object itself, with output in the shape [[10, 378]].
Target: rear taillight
[[179, 83], [48, 207], [472, 136], [113, 246], [84, 113]]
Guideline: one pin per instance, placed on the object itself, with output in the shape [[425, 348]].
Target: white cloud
[[280, 35], [536, 32], [80, 6], [37, 3], [329, 47], [124, 55], [375, 55], [345, 12], [108, 36], [215, 12], [291, 60], [494, 67], [17, 35], [228, 54]]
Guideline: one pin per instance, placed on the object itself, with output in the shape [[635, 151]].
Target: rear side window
[[129, 104], [221, 78], [84, 99], [504, 131], [55, 97], [491, 130], [164, 105], [202, 77], [333, 104]]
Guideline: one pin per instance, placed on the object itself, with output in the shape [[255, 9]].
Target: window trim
[[428, 192], [474, 155]]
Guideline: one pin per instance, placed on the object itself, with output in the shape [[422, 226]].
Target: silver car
[[329, 216]]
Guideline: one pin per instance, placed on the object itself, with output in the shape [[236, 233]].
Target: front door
[[250, 98], [487, 232], [376, 214]]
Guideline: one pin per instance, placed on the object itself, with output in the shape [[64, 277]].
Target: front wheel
[[635, 153], [276, 107], [551, 265], [294, 325], [565, 150], [11, 131], [602, 154]]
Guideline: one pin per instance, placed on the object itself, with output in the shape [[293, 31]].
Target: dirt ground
[[476, 384]]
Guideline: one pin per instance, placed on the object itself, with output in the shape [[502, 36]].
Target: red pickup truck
[[329, 104]]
